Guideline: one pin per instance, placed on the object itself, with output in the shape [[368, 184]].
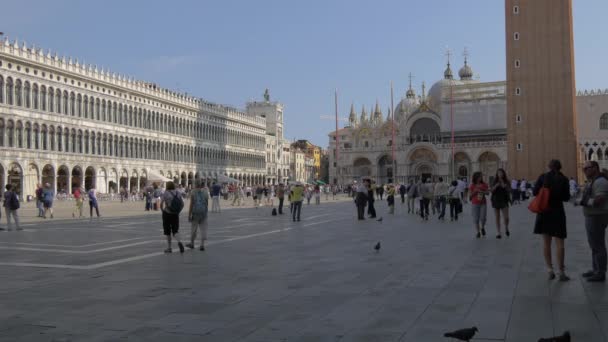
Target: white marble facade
[[422, 134], [70, 124]]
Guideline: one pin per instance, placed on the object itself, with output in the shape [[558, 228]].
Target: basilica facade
[[70, 124], [457, 128]]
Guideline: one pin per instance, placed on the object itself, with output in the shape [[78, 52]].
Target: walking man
[[39, 200], [371, 210], [595, 209], [197, 213], [441, 193], [78, 200], [48, 196], [11, 205], [402, 191]]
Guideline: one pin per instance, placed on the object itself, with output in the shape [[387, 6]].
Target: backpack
[[13, 201], [199, 205], [177, 204]]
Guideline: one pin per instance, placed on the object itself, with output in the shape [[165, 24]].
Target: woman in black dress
[[552, 223], [500, 200]]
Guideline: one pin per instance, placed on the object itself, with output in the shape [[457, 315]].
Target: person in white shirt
[[573, 188], [523, 190], [441, 193], [461, 188], [514, 191]]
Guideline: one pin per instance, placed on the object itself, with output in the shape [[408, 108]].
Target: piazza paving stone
[[266, 278]]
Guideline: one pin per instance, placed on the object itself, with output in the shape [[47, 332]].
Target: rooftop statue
[[266, 95]]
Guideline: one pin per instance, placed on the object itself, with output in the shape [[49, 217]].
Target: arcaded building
[[70, 124]]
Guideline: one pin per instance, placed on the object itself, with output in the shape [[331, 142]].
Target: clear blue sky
[[230, 51]]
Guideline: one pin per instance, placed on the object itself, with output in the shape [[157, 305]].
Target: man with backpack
[[11, 205], [197, 214], [171, 205]]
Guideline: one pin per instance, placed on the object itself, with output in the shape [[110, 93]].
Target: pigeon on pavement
[[377, 247], [565, 337], [462, 334]]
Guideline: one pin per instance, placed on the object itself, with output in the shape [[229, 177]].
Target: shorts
[[170, 223], [48, 204]]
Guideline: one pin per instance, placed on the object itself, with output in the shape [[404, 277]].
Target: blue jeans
[[596, 236], [297, 208]]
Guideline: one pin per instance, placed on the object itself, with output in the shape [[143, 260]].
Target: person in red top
[[477, 195], [78, 200]]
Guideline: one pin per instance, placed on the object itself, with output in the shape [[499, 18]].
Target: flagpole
[[337, 135], [393, 134]]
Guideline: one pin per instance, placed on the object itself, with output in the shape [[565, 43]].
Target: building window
[[518, 118], [516, 9], [519, 147], [517, 91], [517, 63], [516, 35], [604, 121]]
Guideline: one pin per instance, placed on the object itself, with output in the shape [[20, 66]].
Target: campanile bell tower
[[541, 120]]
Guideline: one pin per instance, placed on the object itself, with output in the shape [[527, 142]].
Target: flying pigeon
[[379, 220], [377, 247], [462, 334], [564, 338]]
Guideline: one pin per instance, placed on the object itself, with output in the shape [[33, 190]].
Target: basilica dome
[[438, 91]]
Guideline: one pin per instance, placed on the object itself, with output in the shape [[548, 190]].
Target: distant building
[[313, 152]]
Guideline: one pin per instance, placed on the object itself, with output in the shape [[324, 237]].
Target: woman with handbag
[[551, 217]]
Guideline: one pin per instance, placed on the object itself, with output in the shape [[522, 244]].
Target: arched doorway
[[48, 175], [63, 176], [462, 164], [190, 180], [102, 181], [385, 170], [143, 179], [89, 178], [76, 178], [124, 180], [424, 172], [489, 164], [362, 167], [113, 183], [423, 162], [31, 178], [15, 178], [133, 184], [184, 181]]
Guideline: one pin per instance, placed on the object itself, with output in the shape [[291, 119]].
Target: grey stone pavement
[[265, 278]]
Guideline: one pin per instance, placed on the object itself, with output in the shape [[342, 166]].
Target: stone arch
[[385, 169], [90, 178], [143, 179], [77, 178], [31, 178], [63, 178], [102, 180], [183, 179], [113, 181], [362, 167], [133, 183], [489, 162], [48, 176], [15, 178], [123, 180], [462, 165]]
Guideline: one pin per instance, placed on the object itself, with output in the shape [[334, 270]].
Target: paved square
[[265, 278]]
